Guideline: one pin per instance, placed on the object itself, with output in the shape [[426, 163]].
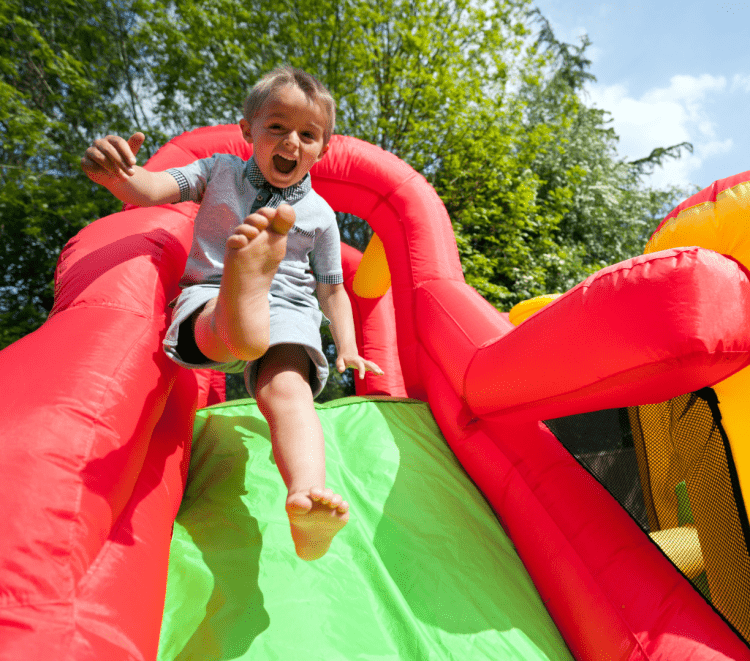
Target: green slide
[[423, 571]]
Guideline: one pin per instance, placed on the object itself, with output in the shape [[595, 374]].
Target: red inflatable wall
[[98, 421], [375, 325]]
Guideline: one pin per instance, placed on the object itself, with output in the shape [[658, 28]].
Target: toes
[[246, 230], [285, 217], [320, 494], [236, 242], [257, 221], [343, 507], [279, 220], [298, 504], [328, 498]]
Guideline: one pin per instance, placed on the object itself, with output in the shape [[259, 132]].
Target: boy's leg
[[284, 397], [234, 325]]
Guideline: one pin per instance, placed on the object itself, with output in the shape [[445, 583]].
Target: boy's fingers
[[135, 142], [373, 367], [104, 152], [360, 364], [125, 159], [96, 160]]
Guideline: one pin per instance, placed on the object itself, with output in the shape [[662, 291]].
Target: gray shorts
[[290, 324]]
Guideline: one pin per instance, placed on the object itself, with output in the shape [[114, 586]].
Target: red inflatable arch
[[96, 421]]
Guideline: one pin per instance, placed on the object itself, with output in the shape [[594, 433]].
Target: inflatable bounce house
[[143, 518]]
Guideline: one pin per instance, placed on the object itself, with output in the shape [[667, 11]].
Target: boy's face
[[287, 136]]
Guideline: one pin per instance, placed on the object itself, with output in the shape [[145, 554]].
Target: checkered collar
[[290, 195]]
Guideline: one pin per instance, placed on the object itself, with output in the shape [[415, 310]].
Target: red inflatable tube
[[97, 422], [375, 325], [642, 331], [639, 332], [131, 565], [88, 493]]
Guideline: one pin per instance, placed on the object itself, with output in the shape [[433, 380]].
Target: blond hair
[[282, 76]]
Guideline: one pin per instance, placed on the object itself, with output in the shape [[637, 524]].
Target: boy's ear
[[246, 131], [323, 151]]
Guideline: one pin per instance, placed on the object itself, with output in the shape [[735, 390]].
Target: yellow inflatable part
[[523, 310], [373, 278], [721, 226], [724, 227]]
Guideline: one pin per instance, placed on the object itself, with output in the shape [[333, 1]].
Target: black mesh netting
[[668, 466]]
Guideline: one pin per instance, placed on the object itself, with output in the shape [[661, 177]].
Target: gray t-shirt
[[228, 190]]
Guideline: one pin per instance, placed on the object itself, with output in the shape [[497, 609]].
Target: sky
[[668, 71]]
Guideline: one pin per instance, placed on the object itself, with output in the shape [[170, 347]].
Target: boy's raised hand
[[112, 158]]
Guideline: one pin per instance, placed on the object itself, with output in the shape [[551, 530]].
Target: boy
[[247, 301]]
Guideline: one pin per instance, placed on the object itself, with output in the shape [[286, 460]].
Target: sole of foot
[[252, 257], [315, 519]]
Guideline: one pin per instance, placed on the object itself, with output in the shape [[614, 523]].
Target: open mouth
[[284, 165]]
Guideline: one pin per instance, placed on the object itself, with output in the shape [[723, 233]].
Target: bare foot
[[315, 519], [251, 259]]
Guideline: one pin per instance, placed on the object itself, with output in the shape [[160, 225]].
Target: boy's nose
[[292, 138]]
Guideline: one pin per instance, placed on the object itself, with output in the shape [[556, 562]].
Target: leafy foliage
[[59, 80], [538, 197]]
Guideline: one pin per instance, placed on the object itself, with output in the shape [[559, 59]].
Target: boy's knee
[[283, 389]]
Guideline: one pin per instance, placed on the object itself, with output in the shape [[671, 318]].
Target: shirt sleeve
[[326, 256], [193, 178]]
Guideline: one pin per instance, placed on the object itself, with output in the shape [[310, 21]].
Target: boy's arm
[[110, 162], [336, 305]]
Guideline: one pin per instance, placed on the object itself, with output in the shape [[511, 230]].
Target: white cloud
[[716, 148], [741, 83], [661, 117], [689, 89]]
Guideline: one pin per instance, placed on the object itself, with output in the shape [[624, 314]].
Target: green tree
[[66, 76], [407, 74], [539, 198]]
